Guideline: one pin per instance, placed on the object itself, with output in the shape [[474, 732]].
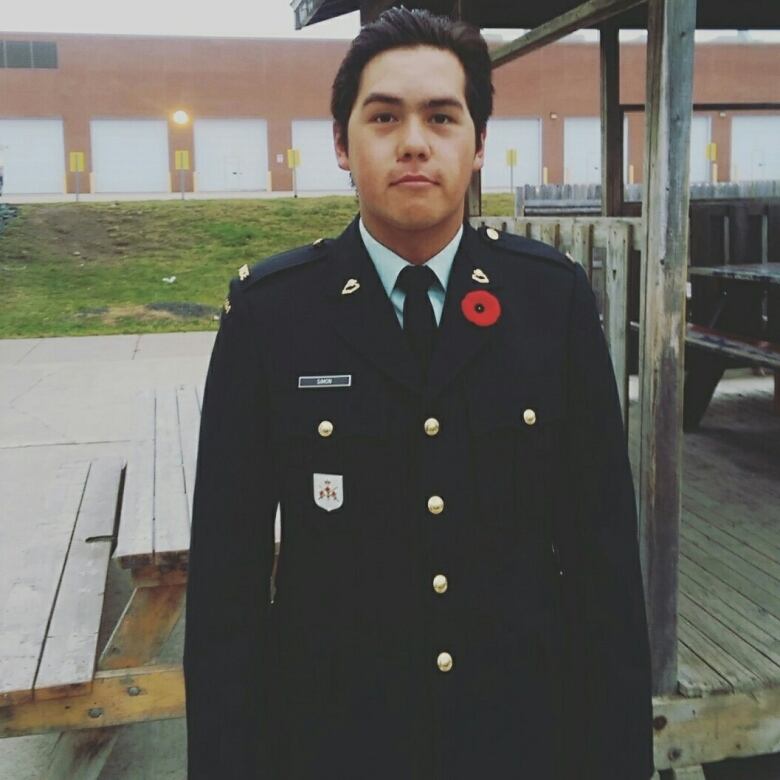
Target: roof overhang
[[525, 14]]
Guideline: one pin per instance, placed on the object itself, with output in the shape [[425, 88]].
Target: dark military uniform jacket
[[458, 592]]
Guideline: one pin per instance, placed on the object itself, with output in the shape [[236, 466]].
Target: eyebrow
[[394, 100]]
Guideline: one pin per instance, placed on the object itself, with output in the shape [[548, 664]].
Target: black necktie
[[419, 320]]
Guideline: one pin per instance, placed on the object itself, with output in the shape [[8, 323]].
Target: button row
[[431, 425]]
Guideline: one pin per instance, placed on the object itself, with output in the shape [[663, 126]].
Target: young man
[[458, 593]]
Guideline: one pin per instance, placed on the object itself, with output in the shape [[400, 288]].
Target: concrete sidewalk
[[68, 399]]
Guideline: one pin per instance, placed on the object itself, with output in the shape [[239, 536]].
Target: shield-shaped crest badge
[[328, 491]]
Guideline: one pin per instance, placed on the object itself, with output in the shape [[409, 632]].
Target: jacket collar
[[365, 318]]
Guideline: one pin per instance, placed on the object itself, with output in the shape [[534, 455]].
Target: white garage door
[[231, 155], [318, 169], [525, 136], [130, 155], [700, 137], [32, 153], [755, 151], [582, 150]]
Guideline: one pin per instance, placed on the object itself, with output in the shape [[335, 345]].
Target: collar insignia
[[350, 286]]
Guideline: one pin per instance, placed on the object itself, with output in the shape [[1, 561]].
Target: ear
[[479, 155], [342, 157]]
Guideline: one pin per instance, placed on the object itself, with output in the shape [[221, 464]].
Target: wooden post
[[671, 25], [611, 123]]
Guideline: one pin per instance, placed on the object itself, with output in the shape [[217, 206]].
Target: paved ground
[[69, 399], [73, 398]]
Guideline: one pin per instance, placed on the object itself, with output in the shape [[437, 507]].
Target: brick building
[[248, 100]]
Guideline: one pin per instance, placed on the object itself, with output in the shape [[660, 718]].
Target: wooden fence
[[586, 198]]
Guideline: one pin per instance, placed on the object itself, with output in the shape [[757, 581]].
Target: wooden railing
[[602, 246]]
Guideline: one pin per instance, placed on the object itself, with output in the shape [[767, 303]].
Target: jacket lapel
[[365, 318], [458, 341]]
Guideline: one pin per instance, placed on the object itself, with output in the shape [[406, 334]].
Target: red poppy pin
[[480, 307]]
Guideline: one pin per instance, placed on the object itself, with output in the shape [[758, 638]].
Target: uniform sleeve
[[614, 641], [230, 561]]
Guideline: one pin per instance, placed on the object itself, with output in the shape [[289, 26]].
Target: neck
[[415, 246]]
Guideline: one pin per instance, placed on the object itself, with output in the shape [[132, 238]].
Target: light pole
[[182, 161]]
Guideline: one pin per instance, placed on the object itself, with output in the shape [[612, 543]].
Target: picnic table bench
[[736, 332], [136, 510]]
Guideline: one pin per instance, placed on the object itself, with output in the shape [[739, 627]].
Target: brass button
[[435, 505], [440, 583], [444, 662], [529, 416], [492, 234], [431, 426], [325, 428]]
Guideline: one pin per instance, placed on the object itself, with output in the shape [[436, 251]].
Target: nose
[[413, 142]]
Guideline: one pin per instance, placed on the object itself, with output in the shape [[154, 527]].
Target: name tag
[[325, 380]]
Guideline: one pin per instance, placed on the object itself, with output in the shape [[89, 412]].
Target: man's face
[[411, 142]]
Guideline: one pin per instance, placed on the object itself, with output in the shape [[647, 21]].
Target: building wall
[[112, 76]]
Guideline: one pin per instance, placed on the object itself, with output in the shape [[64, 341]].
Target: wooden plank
[[719, 565], [68, 661], [171, 516], [748, 656], [550, 233], [741, 677], [611, 122], [688, 773], [38, 529], [756, 351], [131, 695], [145, 624], [696, 575], [763, 536], [189, 430], [587, 14], [699, 602], [616, 309], [582, 246], [733, 542], [671, 28], [695, 677], [135, 544], [710, 729]]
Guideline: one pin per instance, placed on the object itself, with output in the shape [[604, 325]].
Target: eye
[[442, 119], [383, 118]]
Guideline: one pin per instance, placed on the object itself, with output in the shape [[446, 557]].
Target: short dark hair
[[398, 28]]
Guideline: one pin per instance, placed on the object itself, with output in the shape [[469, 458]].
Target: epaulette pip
[[524, 246], [292, 258]]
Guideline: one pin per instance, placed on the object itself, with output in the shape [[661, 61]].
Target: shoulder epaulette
[[292, 258], [524, 246], [284, 260]]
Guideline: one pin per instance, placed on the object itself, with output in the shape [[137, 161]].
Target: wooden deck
[[729, 603]]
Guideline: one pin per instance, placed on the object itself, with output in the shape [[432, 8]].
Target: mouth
[[415, 180]]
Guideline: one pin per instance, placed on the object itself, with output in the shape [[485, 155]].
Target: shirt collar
[[388, 264]]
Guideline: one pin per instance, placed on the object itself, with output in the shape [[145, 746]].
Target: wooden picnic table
[[136, 510], [761, 273], [740, 328]]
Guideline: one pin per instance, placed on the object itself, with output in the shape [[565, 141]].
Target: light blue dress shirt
[[388, 265]]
